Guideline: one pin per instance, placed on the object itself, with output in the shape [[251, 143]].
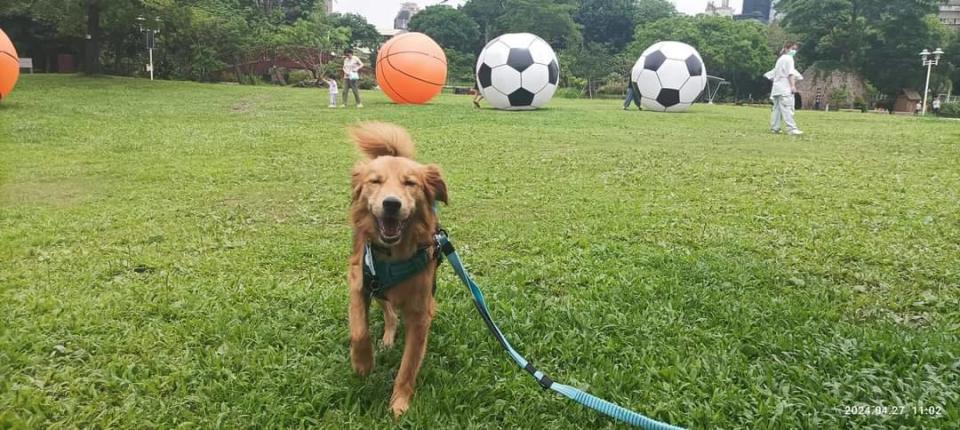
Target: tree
[[550, 19], [608, 22], [83, 24], [734, 50], [460, 66], [485, 13], [777, 36], [649, 11], [362, 33], [590, 62], [308, 42], [451, 28], [952, 62], [878, 38]]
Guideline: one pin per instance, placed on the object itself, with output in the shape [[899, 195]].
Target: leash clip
[[444, 245]]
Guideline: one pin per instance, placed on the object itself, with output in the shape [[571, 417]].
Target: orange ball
[[411, 68], [9, 65]]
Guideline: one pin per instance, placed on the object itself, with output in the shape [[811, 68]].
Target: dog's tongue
[[391, 227]]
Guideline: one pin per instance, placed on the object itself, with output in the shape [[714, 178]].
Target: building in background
[[328, 6], [723, 10], [950, 13], [756, 9], [407, 11]]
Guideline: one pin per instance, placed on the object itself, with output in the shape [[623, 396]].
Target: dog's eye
[[377, 181], [410, 183]]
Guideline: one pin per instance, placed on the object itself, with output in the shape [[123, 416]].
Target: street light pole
[[927, 61], [151, 40], [150, 52]]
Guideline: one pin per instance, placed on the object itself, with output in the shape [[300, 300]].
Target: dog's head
[[393, 195]]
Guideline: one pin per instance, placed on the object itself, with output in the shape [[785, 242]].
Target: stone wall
[[828, 82]]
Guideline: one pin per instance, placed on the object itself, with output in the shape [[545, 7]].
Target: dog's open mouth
[[390, 229]]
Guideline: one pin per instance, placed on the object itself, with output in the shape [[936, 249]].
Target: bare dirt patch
[[56, 193]]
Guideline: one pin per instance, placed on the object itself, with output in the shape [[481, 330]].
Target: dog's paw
[[398, 406], [363, 368], [362, 360], [389, 339]]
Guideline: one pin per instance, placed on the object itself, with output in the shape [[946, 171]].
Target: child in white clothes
[[332, 88]]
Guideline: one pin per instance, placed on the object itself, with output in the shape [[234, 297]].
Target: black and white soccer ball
[[518, 71], [669, 76]]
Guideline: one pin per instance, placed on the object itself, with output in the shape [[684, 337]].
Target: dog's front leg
[[417, 326], [389, 324], [361, 349]]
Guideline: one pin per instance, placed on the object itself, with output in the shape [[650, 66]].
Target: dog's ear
[[433, 183], [356, 180]]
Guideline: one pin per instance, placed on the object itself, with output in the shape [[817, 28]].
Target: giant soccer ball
[[669, 77], [517, 71]]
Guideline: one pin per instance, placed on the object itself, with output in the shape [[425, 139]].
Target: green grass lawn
[[174, 255]]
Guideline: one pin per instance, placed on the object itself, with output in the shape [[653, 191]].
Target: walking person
[[477, 95], [784, 76], [936, 107], [632, 97], [351, 76]]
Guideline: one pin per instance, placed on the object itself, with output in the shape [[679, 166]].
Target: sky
[[381, 12]]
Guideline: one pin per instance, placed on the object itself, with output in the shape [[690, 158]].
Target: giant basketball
[[411, 68], [9, 65]]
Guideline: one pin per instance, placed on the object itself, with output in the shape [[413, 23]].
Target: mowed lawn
[[173, 255]]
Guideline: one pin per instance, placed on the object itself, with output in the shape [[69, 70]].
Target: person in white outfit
[[784, 76]]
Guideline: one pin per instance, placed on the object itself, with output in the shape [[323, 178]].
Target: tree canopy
[[597, 39], [649, 11], [552, 20], [609, 22], [449, 27], [735, 50], [362, 33], [879, 38]]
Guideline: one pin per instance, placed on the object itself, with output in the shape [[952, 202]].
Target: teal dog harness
[[381, 276]]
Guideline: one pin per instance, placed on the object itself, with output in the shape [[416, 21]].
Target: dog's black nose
[[391, 205]]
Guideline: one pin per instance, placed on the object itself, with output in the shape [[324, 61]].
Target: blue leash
[[576, 395]]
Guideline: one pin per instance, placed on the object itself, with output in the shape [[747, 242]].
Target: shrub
[[950, 110], [300, 78], [613, 88], [460, 66], [252, 79], [860, 104], [839, 98], [367, 83], [569, 93]]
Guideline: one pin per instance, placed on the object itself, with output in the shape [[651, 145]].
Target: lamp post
[[929, 62], [151, 39]]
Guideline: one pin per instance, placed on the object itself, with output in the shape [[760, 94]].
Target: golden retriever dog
[[393, 218]]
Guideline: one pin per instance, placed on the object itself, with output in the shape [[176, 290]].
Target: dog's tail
[[377, 139]]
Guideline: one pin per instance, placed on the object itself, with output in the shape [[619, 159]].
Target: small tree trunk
[[91, 46], [238, 72], [278, 76]]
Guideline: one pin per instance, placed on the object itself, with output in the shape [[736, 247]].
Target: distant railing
[[26, 63]]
